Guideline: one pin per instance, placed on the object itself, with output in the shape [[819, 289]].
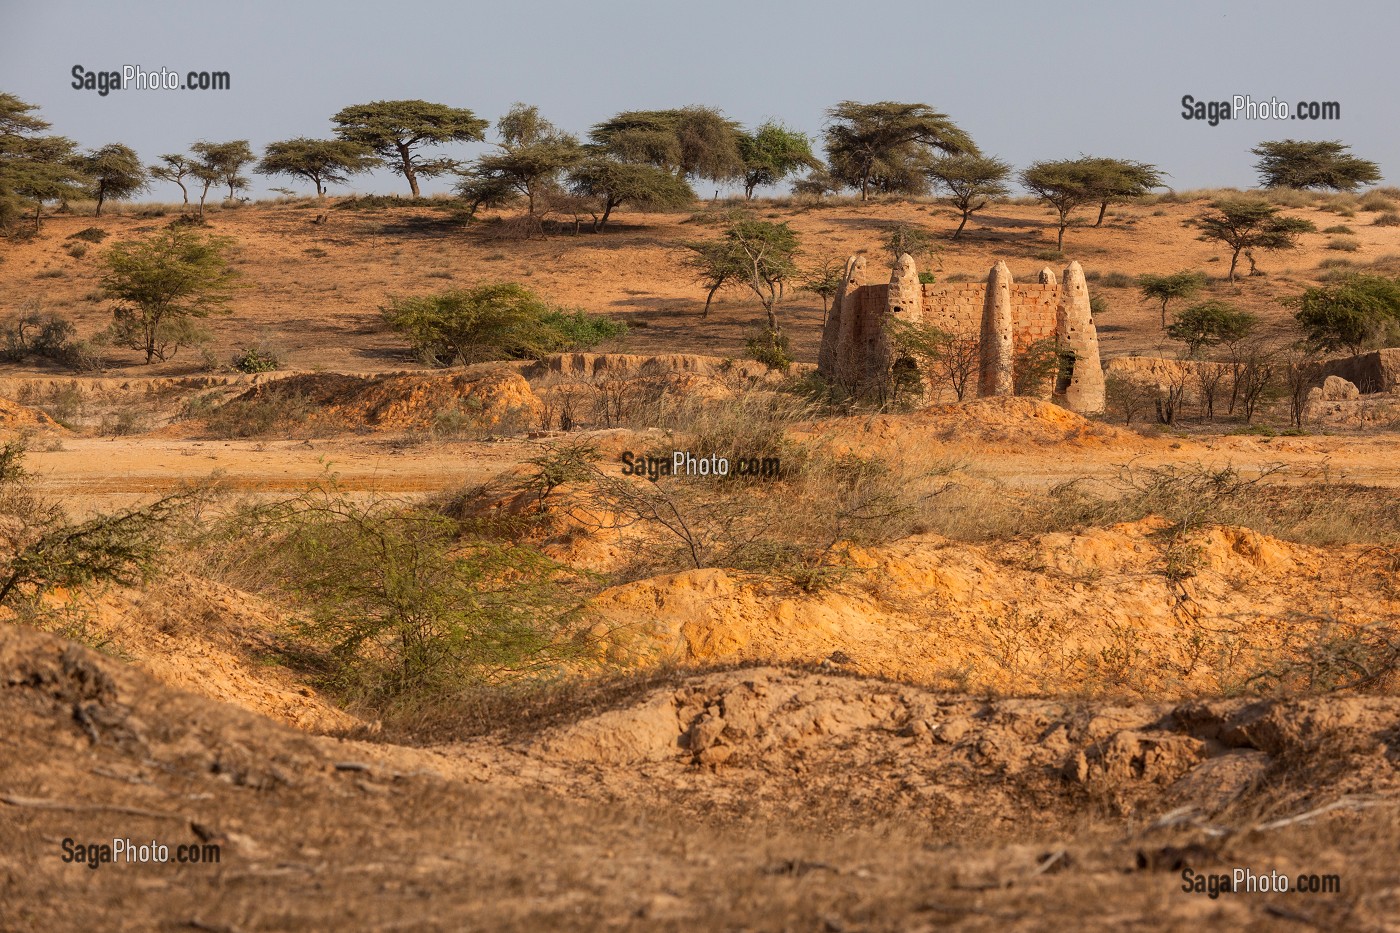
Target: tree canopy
[[161, 283], [1361, 311], [888, 145], [1113, 181], [609, 183], [690, 142], [116, 172], [1302, 164], [756, 254], [1247, 224], [1209, 324], [320, 161], [971, 182], [1064, 184], [529, 163], [772, 153], [1165, 288], [397, 131], [34, 168], [224, 162]]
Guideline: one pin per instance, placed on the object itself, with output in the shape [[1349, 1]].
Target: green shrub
[[257, 360], [493, 322], [770, 348], [400, 604], [45, 334], [259, 415]]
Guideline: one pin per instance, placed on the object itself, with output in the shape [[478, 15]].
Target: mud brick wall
[[956, 307]]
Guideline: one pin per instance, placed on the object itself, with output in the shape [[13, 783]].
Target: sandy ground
[[314, 290]]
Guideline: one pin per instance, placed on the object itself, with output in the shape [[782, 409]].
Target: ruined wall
[[956, 307], [1001, 316]]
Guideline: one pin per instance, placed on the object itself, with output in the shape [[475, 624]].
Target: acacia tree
[[1302, 164], [1361, 311], [689, 142], [174, 168], [161, 284], [1064, 184], [1210, 324], [532, 159], [34, 168], [1165, 288], [116, 172], [397, 130], [320, 161], [889, 144], [608, 183], [824, 280], [772, 153], [1114, 181], [971, 182], [224, 161], [1247, 224], [756, 254]]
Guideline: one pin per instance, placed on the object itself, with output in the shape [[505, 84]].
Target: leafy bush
[[45, 334], [257, 360], [41, 548], [768, 347], [493, 322], [90, 235], [259, 416], [1355, 312], [399, 603]]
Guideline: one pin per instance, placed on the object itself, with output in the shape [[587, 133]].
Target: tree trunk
[[958, 232], [1103, 207], [708, 298], [101, 196], [407, 159], [1234, 261], [183, 192], [1060, 240]]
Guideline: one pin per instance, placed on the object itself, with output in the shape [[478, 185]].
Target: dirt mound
[[787, 743], [404, 401], [1132, 608], [17, 417], [209, 639], [757, 799], [598, 365], [983, 423]]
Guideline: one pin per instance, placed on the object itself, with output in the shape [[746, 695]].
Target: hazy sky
[[1028, 80]]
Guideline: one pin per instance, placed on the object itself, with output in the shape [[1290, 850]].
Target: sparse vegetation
[[493, 322]]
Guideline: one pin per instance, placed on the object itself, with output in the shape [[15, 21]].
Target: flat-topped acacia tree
[[320, 161], [888, 145], [397, 130], [116, 172]]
